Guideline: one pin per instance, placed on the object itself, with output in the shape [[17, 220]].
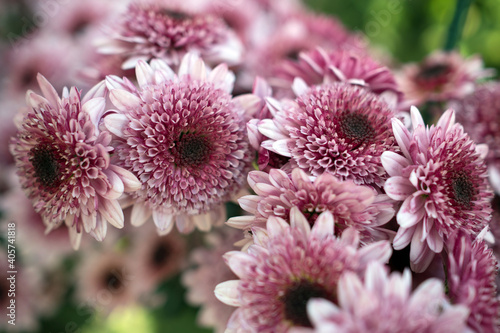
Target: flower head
[[64, 165], [382, 303], [479, 113], [319, 66], [184, 137], [440, 77], [441, 179], [337, 128], [287, 265], [156, 31], [472, 268], [351, 205]]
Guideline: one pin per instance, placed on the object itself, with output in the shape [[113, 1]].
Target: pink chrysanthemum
[[319, 66], [184, 137], [471, 271], [351, 205], [64, 165], [440, 77], [338, 128], [479, 113], [286, 266], [441, 179], [160, 31], [209, 271], [385, 303]]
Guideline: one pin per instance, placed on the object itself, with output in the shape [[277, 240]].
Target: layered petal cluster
[[338, 128], [442, 181], [471, 270], [287, 265], [479, 113], [184, 137], [441, 76], [63, 162], [158, 30], [320, 66], [351, 205], [382, 303]]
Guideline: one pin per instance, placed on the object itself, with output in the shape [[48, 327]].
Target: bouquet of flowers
[[247, 167]]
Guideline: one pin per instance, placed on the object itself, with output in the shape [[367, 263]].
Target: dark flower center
[[79, 27], [433, 71], [463, 189], [356, 127], [175, 15], [161, 255], [192, 150], [46, 164], [113, 280], [296, 298]]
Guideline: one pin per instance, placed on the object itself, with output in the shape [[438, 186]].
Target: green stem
[[457, 24]]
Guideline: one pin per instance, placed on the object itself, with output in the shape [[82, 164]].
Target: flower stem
[[457, 24]]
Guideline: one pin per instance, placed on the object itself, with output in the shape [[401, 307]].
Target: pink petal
[[249, 203], [399, 188], [446, 120], [130, 182], [276, 226], [269, 129], [227, 292], [48, 90], [403, 137], [416, 118], [403, 238], [140, 214], [164, 221], [411, 212], [435, 241], [299, 221], [240, 222], [144, 74], [379, 251], [239, 262], [111, 212], [324, 225], [124, 100], [393, 163], [115, 123]]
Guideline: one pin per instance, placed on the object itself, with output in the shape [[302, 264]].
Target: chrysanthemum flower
[[382, 303], [471, 271], [351, 205], [157, 31], [319, 66], [209, 270], [184, 137], [337, 128], [479, 113], [440, 77], [286, 266], [441, 179], [64, 165]]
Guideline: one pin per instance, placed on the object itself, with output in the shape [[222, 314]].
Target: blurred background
[[401, 31]]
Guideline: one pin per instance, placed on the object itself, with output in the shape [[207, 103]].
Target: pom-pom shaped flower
[[471, 270], [351, 205], [479, 113], [441, 179], [156, 31], [338, 128], [184, 137], [383, 304], [287, 265], [64, 165], [440, 77], [319, 66]]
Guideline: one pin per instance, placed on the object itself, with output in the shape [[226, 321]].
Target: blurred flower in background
[[283, 142]]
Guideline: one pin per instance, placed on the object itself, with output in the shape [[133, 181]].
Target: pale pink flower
[[440, 77], [184, 137], [209, 270], [471, 271], [351, 205], [64, 165], [319, 66], [382, 303], [287, 265], [441, 179], [479, 113], [337, 128], [168, 31]]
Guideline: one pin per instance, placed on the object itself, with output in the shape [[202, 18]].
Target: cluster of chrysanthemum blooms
[[349, 178]]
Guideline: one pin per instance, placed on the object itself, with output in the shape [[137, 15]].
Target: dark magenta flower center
[[356, 127], [463, 189], [46, 165], [161, 255], [113, 280], [192, 150], [432, 77], [296, 298]]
